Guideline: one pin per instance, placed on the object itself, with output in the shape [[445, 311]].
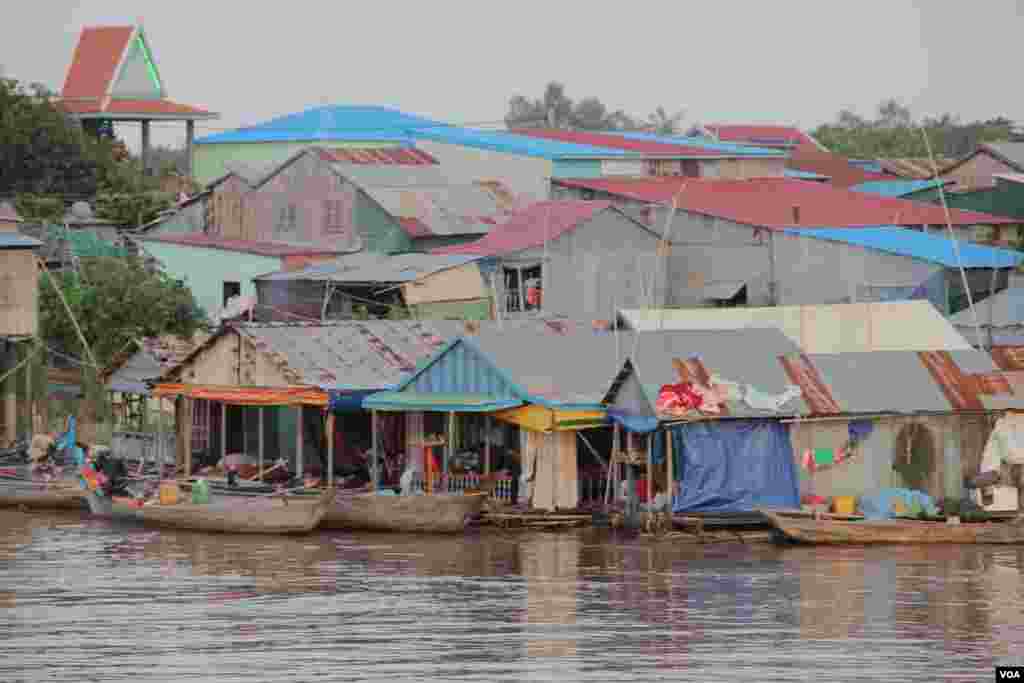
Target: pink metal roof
[[271, 249], [649, 147], [764, 134], [769, 202], [530, 227], [400, 156]]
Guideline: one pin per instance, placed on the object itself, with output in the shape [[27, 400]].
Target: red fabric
[[533, 296], [769, 202], [641, 490], [678, 398]]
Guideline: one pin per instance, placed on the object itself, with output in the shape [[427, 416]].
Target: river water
[[90, 600]]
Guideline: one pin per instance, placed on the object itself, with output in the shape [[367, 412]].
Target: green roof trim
[[400, 401]]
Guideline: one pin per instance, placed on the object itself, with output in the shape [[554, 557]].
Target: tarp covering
[[441, 402], [540, 419], [634, 423], [347, 401], [735, 466], [1005, 444], [890, 503], [246, 396]]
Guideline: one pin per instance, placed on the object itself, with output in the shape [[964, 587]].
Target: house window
[[287, 219], [231, 290], [523, 289]]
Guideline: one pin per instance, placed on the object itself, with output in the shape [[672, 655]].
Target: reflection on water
[[87, 600]]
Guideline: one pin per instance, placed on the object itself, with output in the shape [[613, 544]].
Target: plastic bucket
[[844, 505], [201, 492], [169, 493]]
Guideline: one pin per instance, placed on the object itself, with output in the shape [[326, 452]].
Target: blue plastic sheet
[[734, 466], [633, 423], [879, 504], [347, 401]]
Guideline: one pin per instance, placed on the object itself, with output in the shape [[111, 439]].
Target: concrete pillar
[[190, 136], [145, 148]]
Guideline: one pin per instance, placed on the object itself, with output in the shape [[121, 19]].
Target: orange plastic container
[[169, 493], [844, 505]]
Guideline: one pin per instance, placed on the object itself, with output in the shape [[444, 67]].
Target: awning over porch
[[641, 424], [246, 396], [540, 419], [411, 401]]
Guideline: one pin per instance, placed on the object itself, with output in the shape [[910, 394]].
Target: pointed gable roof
[[113, 75]]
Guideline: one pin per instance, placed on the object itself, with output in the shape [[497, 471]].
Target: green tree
[[114, 301], [663, 123], [556, 110]]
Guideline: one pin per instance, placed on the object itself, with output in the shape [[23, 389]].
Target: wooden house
[[979, 168], [19, 322]]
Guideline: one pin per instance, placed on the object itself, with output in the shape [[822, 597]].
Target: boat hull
[[802, 529], [239, 515], [415, 514], [66, 496]]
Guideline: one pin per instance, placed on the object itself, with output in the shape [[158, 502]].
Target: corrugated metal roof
[[530, 227], [333, 122], [914, 168], [1010, 177], [272, 249], [1012, 152], [510, 143], [919, 245], [95, 61], [373, 267], [15, 240], [386, 156], [841, 328], [758, 133], [157, 356], [841, 173], [424, 193], [724, 148], [897, 188], [769, 202], [649, 145]]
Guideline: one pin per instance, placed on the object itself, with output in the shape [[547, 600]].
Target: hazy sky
[[723, 60]]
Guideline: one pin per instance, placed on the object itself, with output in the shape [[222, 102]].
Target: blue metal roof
[[896, 188], [914, 244], [15, 240], [511, 143], [870, 165], [805, 175], [334, 122], [727, 148]]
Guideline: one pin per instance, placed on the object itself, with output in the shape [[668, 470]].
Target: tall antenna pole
[[952, 236]]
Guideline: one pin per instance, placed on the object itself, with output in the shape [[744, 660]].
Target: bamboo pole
[[260, 442], [330, 450], [650, 468], [487, 444], [449, 451], [669, 464], [298, 441]]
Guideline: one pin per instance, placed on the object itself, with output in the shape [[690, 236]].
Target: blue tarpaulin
[[633, 423], [347, 401], [734, 466]]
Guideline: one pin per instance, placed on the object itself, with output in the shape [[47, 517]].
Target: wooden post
[[299, 439], [669, 464], [487, 444], [650, 468], [330, 449], [522, 291], [449, 452], [145, 147], [185, 432], [373, 454], [190, 136], [260, 442], [223, 432]]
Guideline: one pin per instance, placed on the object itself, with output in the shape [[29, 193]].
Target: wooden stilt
[[330, 449], [223, 432], [487, 444], [449, 452], [650, 468], [260, 442], [669, 474], [373, 463], [299, 439]]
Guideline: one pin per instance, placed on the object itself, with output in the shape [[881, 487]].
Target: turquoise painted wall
[[576, 168], [379, 230], [208, 160], [206, 270]]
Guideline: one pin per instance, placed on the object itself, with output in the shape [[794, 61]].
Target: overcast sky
[[724, 60]]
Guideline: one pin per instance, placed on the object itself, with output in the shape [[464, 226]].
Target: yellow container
[[844, 505], [169, 493]]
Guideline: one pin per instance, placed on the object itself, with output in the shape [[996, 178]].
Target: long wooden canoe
[[440, 513], [238, 515], [56, 495], [805, 529]]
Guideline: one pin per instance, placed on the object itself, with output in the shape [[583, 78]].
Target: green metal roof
[[441, 402]]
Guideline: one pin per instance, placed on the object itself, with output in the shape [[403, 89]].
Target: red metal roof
[[762, 134], [649, 147], [400, 156], [96, 58], [961, 393], [769, 202], [271, 249], [816, 393], [531, 227], [93, 68]]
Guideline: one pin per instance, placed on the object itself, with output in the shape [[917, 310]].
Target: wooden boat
[[434, 513], [803, 528], [63, 494], [239, 515]]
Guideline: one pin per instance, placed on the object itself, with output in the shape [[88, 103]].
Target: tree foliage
[[556, 110], [114, 301], [895, 133]]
